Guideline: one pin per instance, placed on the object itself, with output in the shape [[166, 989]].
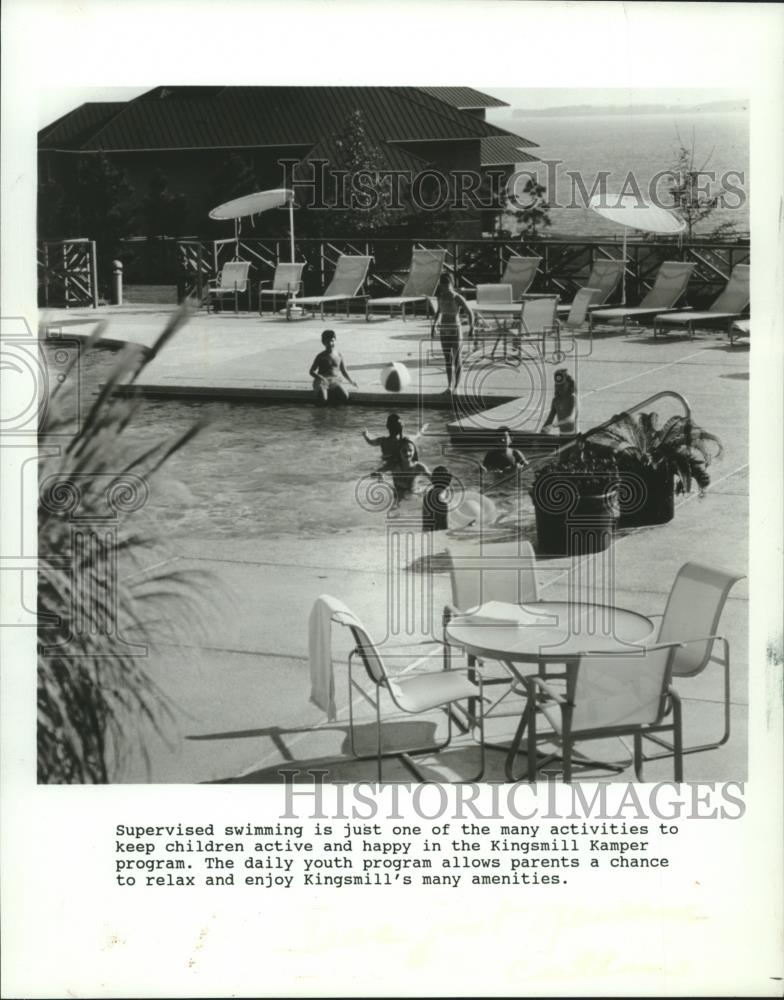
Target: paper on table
[[500, 613]]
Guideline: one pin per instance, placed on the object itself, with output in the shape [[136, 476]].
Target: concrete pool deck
[[244, 693]]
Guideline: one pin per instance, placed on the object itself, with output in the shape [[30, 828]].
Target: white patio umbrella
[[253, 204], [632, 212]]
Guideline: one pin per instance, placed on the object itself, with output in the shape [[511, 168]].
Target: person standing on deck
[[447, 319]]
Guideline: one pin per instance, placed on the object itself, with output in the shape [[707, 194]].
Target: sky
[[52, 103]]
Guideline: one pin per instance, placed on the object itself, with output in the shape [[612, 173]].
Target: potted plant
[[656, 463], [575, 500]]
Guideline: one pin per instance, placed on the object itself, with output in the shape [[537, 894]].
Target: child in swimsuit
[[328, 370], [504, 458], [404, 475], [390, 445], [447, 318], [564, 405]]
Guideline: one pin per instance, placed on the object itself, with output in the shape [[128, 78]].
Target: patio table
[[547, 632], [506, 315]]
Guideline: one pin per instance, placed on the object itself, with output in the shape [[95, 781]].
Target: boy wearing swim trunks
[[328, 370], [504, 458]]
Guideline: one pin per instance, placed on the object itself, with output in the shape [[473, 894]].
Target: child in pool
[[390, 445], [504, 458], [435, 512], [564, 405], [447, 319], [329, 370], [405, 473]]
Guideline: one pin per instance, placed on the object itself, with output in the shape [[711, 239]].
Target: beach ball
[[474, 510], [395, 377]]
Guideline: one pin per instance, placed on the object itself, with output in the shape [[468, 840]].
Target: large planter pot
[[571, 523], [646, 496]]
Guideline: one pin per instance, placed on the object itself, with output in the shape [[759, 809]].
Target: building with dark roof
[[191, 134]]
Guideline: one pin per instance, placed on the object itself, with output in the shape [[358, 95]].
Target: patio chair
[[494, 294], [420, 285], [232, 280], [604, 278], [504, 573], [286, 281], [691, 617], [606, 695], [728, 307], [668, 289], [413, 693], [349, 276], [537, 320], [574, 321]]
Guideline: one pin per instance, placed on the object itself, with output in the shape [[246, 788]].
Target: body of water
[[636, 144]]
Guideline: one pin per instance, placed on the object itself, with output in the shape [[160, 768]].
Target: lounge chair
[[668, 289], [728, 307], [520, 273], [232, 280], [604, 278], [420, 285], [349, 276], [286, 281]]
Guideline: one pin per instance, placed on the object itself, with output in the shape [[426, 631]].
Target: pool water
[[261, 470]]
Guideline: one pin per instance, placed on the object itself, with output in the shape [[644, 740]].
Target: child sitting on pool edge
[[564, 405], [328, 371]]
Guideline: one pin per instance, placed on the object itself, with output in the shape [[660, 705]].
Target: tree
[[163, 212], [103, 202], [357, 199], [103, 210], [689, 198], [533, 215], [234, 178], [57, 214]]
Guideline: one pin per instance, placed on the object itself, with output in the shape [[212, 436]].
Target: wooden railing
[[67, 273], [565, 264]]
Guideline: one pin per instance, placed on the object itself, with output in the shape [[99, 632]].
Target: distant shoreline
[[589, 111]]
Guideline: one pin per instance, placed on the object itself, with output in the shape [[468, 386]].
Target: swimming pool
[[260, 471]]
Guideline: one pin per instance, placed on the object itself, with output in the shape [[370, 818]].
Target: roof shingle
[[247, 117]]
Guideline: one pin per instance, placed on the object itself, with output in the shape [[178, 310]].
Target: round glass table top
[[546, 630]]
